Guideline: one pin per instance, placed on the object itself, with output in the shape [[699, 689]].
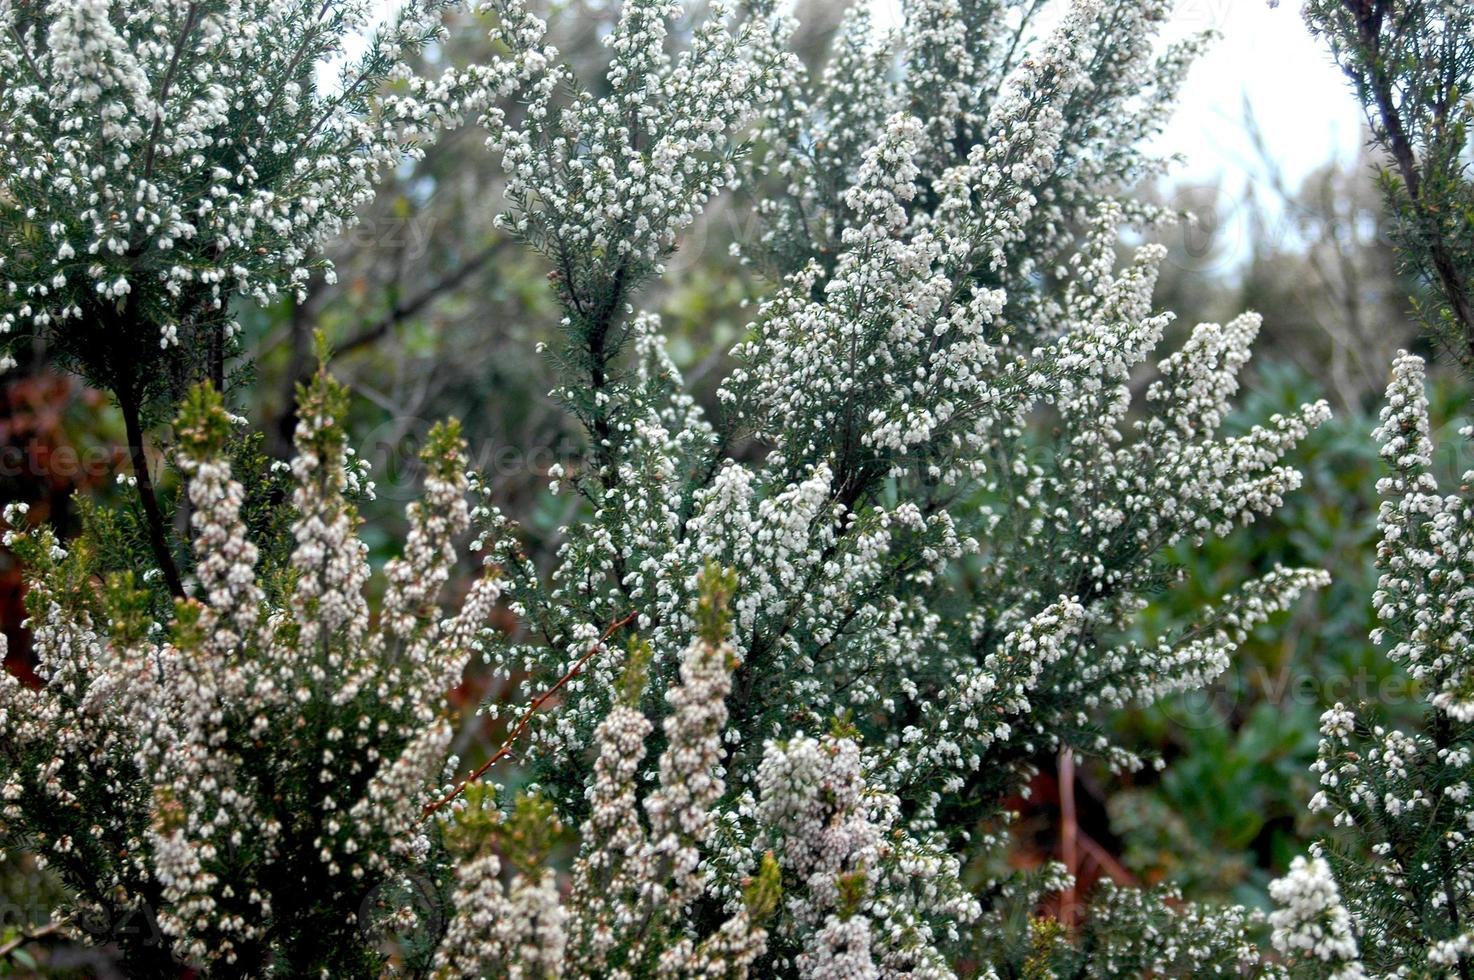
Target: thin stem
[[532, 708], [157, 539], [1068, 833], [28, 937], [153, 136], [217, 356], [600, 355], [25, 53], [403, 311]]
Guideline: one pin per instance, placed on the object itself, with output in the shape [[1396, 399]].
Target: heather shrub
[[795, 651], [1387, 892]]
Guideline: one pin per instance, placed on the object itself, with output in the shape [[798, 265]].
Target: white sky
[[1266, 57]]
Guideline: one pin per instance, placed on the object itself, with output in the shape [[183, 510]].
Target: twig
[[144, 483], [532, 708], [20, 46], [1107, 862], [1368, 19], [407, 309], [29, 937], [1068, 832], [158, 127]]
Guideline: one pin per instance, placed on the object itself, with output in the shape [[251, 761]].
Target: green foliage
[[202, 427], [764, 890], [128, 607], [1227, 813], [636, 675], [1047, 940], [713, 605]]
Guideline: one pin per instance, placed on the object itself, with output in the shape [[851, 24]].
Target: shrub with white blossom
[[163, 158], [234, 781], [901, 564], [942, 503], [1392, 890]]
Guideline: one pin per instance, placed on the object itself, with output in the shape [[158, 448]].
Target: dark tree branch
[[190, 19], [300, 366], [157, 538], [1378, 83], [403, 311]]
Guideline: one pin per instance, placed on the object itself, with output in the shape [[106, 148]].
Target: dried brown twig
[[505, 749]]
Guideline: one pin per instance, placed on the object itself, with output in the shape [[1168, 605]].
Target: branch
[[403, 311], [532, 708], [1068, 833], [290, 74], [29, 937], [1107, 862], [168, 82], [598, 349], [157, 539], [1368, 23], [25, 53]]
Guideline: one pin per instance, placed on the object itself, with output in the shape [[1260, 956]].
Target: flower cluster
[[634, 889], [601, 184], [1045, 133], [162, 158], [1311, 920], [1401, 798], [828, 869], [865, 894], [1424, 599], [242, 774]]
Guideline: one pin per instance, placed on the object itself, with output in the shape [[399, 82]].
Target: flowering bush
[[901, 564], [1391, 889], [237, 776], [913, 558], [162, 158]]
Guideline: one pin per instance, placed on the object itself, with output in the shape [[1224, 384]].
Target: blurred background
[[434, 312]]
